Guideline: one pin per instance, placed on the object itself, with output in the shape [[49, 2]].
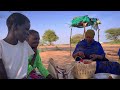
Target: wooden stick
[[84, 32], [84, 25], [70, 41]]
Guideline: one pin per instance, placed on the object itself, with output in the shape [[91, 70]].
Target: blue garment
[[107, 67], [88, 49]]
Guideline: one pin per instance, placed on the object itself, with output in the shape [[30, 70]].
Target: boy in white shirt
[[14, 50]]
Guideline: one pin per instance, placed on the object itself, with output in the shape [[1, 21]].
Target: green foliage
[[50, 36], [76, 38], [113, 34], [115, 42]]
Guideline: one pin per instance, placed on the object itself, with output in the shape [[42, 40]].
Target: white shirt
[[15, 58]]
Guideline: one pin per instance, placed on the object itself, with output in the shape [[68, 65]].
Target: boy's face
[[33, 40], [22, 31]]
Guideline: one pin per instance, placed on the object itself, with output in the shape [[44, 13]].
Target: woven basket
[[84, 71]]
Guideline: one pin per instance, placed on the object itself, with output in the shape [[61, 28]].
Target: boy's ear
[[14, 27]]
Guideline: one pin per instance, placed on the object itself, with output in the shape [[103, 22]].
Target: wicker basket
[[84, 71]]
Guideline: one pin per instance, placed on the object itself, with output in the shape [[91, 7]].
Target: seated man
[[89, 48], [35, 60]]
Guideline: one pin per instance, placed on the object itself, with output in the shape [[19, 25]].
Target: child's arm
[[40, 66], [3, 74], [42, 69]]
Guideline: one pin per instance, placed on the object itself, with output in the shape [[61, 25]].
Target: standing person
[[89, 48], [14, 50], [35, 60]]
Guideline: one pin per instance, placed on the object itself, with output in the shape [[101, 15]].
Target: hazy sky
[[59, 22]]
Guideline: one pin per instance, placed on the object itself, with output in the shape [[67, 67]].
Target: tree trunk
[[50, 43]]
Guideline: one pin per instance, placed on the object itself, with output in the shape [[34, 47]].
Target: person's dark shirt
[[89, 49]]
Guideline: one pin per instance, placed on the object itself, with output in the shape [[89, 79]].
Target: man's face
[[88, 38], [22, 31], [33, 40]]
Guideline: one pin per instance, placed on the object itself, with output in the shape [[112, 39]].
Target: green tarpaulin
[[78, 21]]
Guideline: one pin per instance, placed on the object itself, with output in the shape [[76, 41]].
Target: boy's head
[[19, 25], [33, 38]]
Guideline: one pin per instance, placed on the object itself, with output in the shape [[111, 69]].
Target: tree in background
[[42, 42], [50, 36], [76, 38], [113, 34]]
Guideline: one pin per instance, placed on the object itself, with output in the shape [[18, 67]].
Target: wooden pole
[[84, 33], [70, 41], [84, 25]]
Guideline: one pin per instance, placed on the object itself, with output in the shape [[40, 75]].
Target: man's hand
[[93, 56], [81, 54]]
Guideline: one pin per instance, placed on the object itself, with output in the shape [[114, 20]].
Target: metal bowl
[[101, 76], [105, 76], [115, 76]]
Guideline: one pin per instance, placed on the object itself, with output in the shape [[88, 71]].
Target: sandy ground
[[61, 53], [61, 57]]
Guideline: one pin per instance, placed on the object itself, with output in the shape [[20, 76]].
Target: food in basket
[[87, 61]]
